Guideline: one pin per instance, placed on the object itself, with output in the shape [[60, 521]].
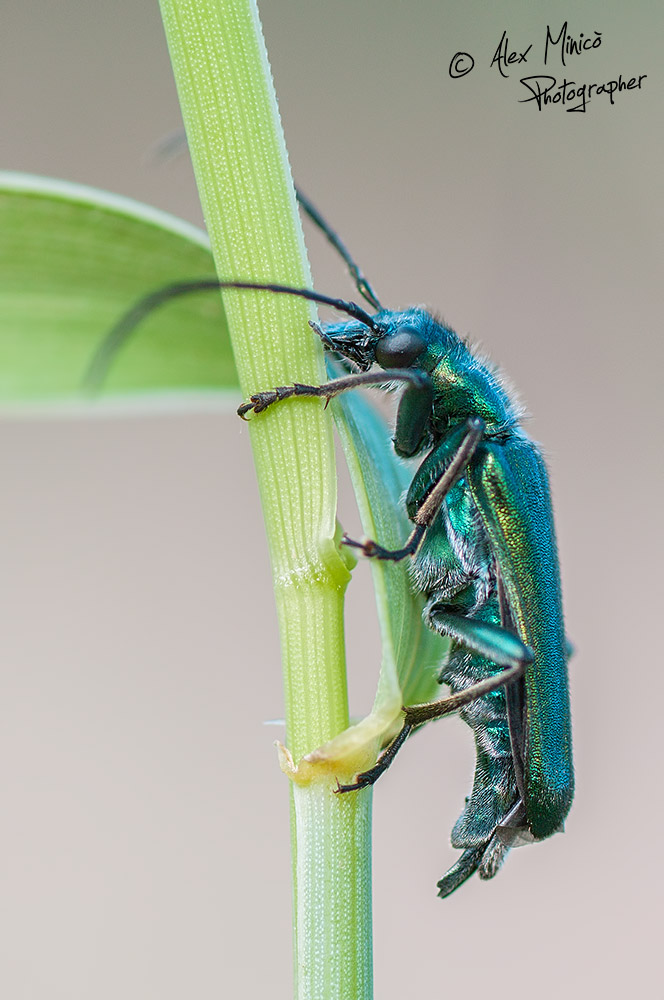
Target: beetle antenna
[[120, 333], [175, 142], [169, 146], [361, 283]]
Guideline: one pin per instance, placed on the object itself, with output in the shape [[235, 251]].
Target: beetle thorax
[[467, 386]]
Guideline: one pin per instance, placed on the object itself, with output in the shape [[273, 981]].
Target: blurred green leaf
[[74, 259]]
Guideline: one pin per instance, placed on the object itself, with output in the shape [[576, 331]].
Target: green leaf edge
[[150, 377]]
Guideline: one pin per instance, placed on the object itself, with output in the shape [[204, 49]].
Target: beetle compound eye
[[400, 349]]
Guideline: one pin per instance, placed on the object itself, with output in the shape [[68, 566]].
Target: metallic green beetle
[[483, 553]]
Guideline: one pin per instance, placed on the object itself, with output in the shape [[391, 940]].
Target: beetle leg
[[460, 871], [491, 641], [372, 550], [261, 400], [413, 420], [417, 715], [367, 778], [432, 482], [487, 857], [509, 652]]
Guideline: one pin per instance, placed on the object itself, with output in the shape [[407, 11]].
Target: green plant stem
[[240, 161]]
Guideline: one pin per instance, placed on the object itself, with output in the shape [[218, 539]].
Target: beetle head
[[394, 340]]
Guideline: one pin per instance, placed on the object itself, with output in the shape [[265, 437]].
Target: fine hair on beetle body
[[482, 552]]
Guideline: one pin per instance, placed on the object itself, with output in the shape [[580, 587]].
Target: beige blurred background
[[144, 838]]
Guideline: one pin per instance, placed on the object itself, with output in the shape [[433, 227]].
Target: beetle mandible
[[483, 553]]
